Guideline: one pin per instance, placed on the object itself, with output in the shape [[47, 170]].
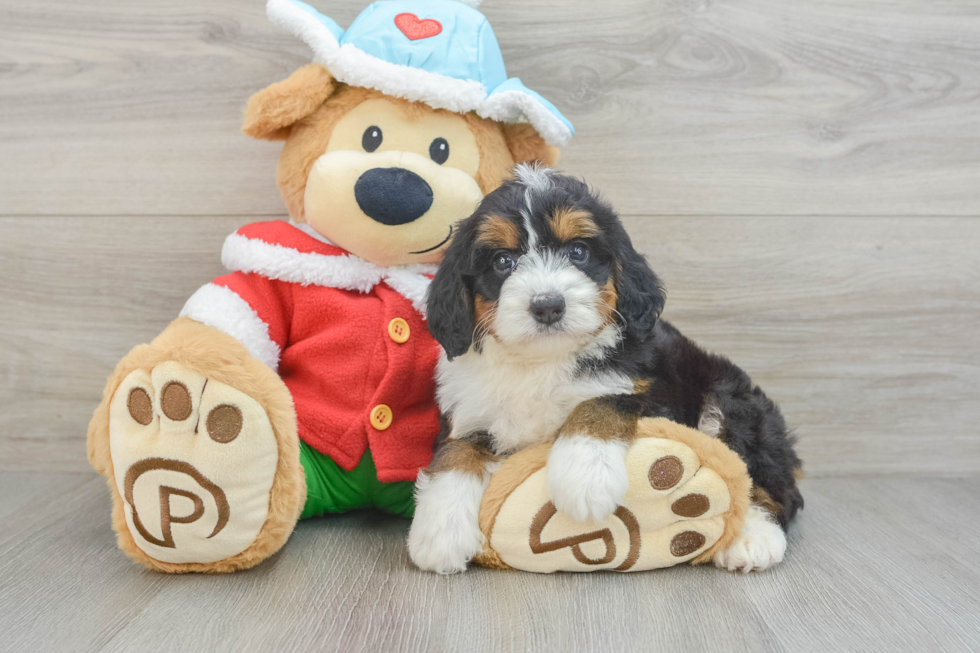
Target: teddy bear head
[[404, 122], [383, 177]]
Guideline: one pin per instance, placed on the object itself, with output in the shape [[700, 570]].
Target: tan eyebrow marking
[[484, 316], [569, 224], [496, 231]]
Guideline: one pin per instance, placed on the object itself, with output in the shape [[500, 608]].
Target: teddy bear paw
[[675, 508], [194, 461]]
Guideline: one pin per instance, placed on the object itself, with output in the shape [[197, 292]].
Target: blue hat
[[440, 52]]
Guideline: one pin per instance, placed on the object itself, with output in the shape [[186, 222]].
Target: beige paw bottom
[[674, 510], [194, 461]]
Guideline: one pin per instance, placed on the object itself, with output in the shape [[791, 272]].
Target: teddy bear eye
[[439, 150], [372, 138]]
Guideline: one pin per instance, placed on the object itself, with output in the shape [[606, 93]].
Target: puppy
[[550, 323]]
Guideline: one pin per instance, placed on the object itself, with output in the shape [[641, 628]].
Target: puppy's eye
[[439, 150], [578, 253], [503, 262], [372, 138]]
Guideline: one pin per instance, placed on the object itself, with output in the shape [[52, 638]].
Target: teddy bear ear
[[273, 110], [527, 146]]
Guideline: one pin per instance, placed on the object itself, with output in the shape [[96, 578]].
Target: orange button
[[381, 417], [398, 330]]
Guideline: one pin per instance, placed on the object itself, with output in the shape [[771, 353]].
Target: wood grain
[[752, 107], [863, 329], [873, 565]]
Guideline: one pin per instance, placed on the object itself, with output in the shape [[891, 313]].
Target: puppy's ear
[[641, 294], [449, 303], [273, 110], [527, 146]]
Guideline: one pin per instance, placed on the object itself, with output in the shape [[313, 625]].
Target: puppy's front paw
[[760, 545], [445, 532], [587, 477]]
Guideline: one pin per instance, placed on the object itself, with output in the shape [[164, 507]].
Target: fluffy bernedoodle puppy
[[550, 322]]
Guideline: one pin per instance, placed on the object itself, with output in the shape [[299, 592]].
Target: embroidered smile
[[446, 240]]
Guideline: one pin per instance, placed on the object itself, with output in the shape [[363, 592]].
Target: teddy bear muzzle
[[391, 207]]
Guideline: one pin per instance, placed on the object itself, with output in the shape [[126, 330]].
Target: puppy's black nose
[[392, 196], [548, 309]]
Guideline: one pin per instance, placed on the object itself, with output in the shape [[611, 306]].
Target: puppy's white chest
[[518, 404]]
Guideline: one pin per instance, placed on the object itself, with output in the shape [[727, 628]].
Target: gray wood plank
[[740, 107], [867, 570], [53, 367], [19, 490], [862, 328], [880, 573], [63, 584]]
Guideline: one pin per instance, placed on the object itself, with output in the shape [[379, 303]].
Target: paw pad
[[140, 406], [686, 543], [666, 472], [692, 505], [176, 402], [224, 423]]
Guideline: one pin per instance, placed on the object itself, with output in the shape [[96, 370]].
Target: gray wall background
[[804, 175]]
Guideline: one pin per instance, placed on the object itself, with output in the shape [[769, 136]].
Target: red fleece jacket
[[348, 337]]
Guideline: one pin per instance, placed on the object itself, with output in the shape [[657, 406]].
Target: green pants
[[329, 488]]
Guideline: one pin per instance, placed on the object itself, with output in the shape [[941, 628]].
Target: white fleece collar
[[342, 271]]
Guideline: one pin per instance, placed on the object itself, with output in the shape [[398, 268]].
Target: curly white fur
[[587, 477], [759, 546], [445, 532]]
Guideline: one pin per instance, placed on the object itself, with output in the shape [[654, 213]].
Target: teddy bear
[[302, 382]]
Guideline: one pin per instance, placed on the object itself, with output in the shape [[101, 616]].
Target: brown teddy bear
[[302, 382]]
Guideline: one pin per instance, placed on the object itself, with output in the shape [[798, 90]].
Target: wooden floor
[[875, 564]]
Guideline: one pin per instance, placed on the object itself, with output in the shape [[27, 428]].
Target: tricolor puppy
[[550, 322]]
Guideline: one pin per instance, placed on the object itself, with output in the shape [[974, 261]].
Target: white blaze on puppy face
[[536, 178], [542, 272], [537, 181], [538, 274]]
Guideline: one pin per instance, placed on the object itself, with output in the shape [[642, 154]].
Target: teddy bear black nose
[[392, 196]]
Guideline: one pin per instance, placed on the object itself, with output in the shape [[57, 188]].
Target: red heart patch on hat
[[416, 29]]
